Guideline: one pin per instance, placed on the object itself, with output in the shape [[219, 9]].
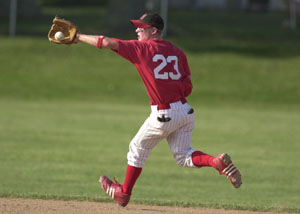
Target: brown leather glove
[[68, 29]]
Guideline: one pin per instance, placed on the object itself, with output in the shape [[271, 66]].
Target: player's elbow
[[110, 43]]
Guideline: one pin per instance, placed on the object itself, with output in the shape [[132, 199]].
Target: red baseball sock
[[201, 159], [132, 175]]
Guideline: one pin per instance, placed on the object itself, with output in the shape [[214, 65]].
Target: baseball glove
[[68, 29]]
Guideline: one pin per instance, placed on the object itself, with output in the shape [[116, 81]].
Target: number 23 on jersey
[[172, 74]]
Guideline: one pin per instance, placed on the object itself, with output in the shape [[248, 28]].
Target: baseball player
[[165, 72]]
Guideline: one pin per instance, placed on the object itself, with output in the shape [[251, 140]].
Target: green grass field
[[68, 113]]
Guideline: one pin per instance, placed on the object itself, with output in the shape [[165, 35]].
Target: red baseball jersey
[[162, 66]]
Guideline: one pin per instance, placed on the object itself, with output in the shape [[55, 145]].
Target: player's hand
[[76, 39], [67, 30]]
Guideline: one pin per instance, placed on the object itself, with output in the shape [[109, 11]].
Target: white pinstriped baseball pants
[[177, 131]]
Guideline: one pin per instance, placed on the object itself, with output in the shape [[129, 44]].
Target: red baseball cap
[[149, 20]]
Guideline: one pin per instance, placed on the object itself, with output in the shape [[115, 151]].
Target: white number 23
[[164, 61]]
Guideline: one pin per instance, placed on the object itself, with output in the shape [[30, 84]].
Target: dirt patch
[[37, 206]]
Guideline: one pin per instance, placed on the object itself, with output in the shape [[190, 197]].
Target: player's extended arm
[[107, 42]]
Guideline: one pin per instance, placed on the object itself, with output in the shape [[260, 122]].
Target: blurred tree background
[[69, 3], [111, 16], [117, 12], [26, 8]]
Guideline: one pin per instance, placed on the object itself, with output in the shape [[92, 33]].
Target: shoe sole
[[231, 171], [102, 177]]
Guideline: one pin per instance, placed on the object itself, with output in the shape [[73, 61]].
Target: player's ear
[[154, 31]]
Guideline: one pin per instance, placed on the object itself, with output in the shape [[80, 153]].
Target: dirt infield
[[37, 206]]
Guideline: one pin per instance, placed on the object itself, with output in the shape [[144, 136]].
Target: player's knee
[[137, 157]]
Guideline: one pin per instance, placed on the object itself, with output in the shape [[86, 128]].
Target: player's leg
[[140, 147], [180, 145], [132, 174], [149, 135], [180, 140], [181, 149], [201, 159]]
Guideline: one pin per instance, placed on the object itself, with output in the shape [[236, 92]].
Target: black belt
[[164, 119]]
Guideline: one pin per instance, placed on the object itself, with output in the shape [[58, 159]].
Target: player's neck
[[156, 36]]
